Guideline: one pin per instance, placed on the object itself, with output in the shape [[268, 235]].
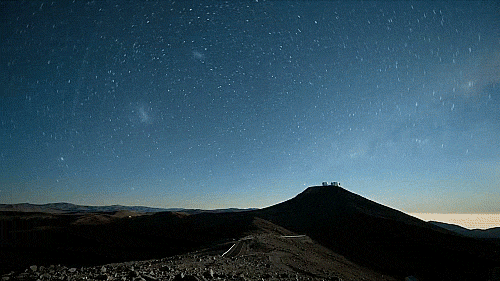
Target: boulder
[[209, 274], [183, 277]]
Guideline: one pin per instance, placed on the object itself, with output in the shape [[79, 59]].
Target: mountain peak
[[338, 202], [350, 224]]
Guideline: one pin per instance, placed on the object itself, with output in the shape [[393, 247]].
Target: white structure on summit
[[334, 183]]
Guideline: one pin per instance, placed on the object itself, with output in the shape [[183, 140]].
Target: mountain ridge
[[489, 233], [64, 207]]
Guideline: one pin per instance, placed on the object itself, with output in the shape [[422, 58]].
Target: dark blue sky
[[244, 104]]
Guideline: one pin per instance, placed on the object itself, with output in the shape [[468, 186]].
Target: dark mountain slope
[[382, 238]]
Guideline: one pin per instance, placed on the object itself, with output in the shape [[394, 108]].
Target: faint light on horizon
[[469, 221]]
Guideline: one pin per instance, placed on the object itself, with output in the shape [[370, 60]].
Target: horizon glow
[[469, 221]]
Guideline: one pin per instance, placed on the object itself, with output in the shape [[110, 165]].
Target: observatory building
[[334, 183]]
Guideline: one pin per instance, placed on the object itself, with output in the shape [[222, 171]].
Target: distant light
[[470, 221]]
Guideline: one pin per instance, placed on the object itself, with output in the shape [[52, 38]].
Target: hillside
[[382, 238], [375, 239]]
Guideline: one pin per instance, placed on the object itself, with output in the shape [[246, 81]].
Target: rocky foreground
[[266, 256]]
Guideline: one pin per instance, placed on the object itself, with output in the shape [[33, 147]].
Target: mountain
[[366, 233], [383, 238], [69, 208], [490, 233]]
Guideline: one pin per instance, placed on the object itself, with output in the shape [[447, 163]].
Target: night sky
[[215, 104]]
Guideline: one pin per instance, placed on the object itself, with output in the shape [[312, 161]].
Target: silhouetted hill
[[73, 208], [490, 233], [68, 208], [382, 238], [365, 232]]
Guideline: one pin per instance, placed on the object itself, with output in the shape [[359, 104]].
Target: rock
[[103, 269], [72, 270], [165, 268], [133, 273], [5, 278], [179, 277], [23, 275], [183, 277], [34, 268], [45, 276], [148, 277], [190, 278], [209, 274], [284, 275], [102, 277]]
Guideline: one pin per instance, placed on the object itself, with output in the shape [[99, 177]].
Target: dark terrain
[[491, 233], [57, 208], [343, 236]]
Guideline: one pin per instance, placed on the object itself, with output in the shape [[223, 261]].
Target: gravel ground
[[264, 256]]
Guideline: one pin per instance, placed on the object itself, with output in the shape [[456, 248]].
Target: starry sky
[[213, 104]]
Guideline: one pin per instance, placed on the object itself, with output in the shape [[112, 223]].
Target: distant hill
[[490, 233], [73, 208]]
